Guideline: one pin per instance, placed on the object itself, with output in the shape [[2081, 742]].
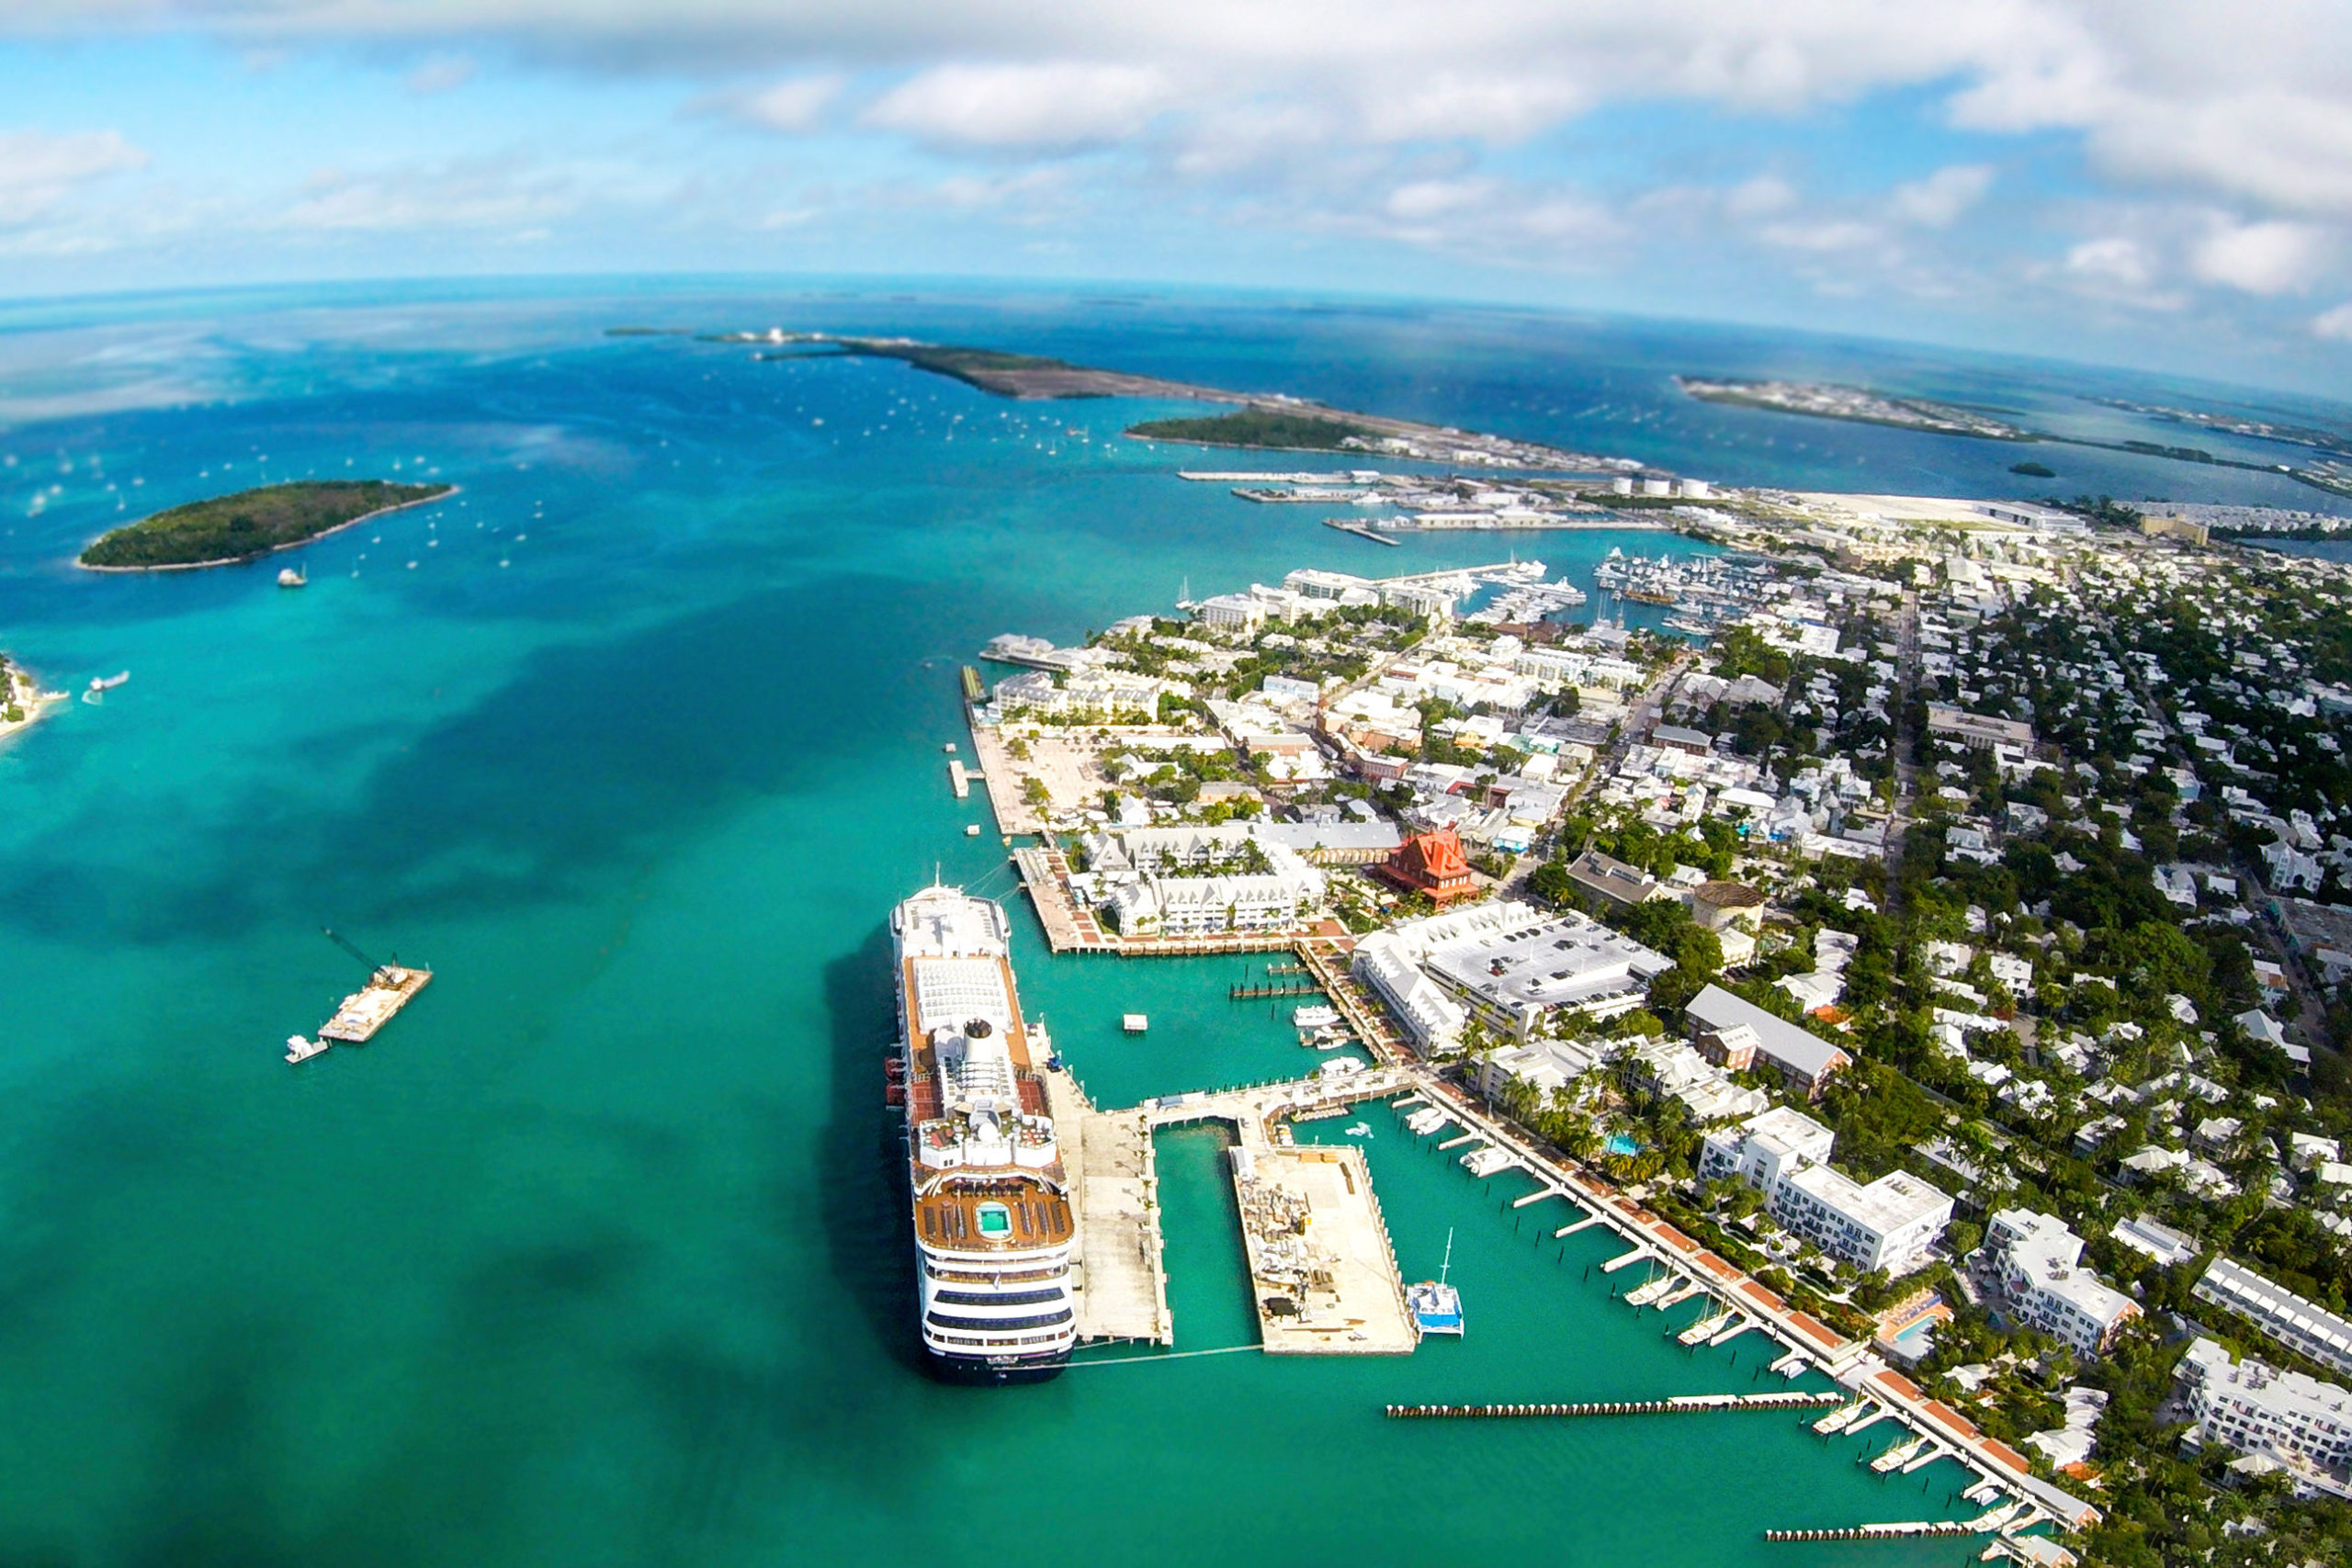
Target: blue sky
[[2162, 183]]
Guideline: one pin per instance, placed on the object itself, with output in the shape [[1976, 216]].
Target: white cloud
[[1942, 196], [37, 169], [1824, 234], [795, 104], [2271, 257], [2336, 324], [2116, 260], [1760, 196], [443, 74], [1051, 106], [490, 193]]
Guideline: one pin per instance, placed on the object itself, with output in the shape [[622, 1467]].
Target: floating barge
[[368, 1009]]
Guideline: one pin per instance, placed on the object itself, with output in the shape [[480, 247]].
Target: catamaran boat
[[989, 1196], [1436, 1305]]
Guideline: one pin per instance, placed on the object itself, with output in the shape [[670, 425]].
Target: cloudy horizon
[[2168, 185]]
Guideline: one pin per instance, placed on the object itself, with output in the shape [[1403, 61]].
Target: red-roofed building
[[1431, 864]]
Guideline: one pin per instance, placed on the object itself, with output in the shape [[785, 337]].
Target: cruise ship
[[993, 1222]]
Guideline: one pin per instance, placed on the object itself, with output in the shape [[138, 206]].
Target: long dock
[[1115, 1195], [1680, 1405], [1880, 1532]]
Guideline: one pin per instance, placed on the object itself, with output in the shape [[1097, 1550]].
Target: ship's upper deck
[[947, 923], [975, 1107]]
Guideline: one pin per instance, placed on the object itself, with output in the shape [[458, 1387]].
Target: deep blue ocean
[[593, 1257]]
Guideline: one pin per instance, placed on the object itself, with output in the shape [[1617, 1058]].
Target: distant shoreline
[[264, 555]]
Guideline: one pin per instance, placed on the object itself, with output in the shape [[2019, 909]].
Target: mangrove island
[[227, 529]]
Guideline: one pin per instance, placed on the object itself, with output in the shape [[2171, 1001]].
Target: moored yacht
[[993, 1222], [1436, 1306]]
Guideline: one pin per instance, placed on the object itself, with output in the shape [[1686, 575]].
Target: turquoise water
[[593, 1257]]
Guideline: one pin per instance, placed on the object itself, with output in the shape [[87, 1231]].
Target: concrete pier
[[1624, 1260], [1115, 1195], [1583, 1224], [1323, 1275]]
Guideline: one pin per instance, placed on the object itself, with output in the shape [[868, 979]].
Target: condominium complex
[[2256, 1409], [1886, 1224], [2038, 1262], [2301, 1326]]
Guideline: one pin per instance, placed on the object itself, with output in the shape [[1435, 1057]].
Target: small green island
[[1260, 427], [227, 529]]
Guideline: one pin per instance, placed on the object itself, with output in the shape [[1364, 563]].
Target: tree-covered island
[[1262, 427], [227, 529]]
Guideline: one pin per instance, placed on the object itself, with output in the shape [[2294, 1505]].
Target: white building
[[2040, 1260], [2256, 1408], [1284, 896], [1513, 978], [1431, 1020], [1887, 1225], [2300, 1324], [1107, 692], [1512, 964]]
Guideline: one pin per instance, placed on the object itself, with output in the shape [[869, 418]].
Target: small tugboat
[[1436, 1306]]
